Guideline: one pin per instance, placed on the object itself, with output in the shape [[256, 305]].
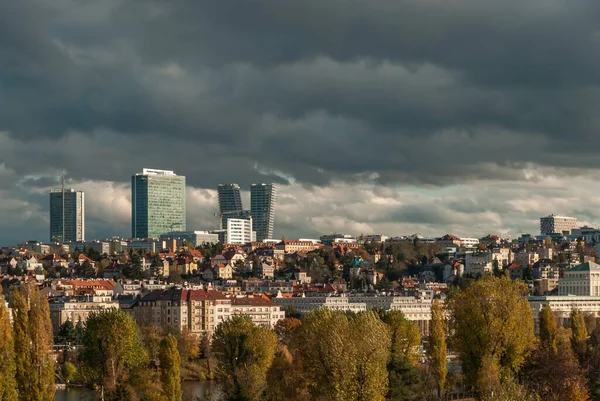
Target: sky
[[386, 116]]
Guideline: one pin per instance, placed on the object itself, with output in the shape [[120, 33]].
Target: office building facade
[[239, 231], [157, 203], [230, 198], [557, 225], [262, 209], [67, 215]]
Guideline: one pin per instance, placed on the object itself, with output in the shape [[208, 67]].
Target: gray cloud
[[402, 95]]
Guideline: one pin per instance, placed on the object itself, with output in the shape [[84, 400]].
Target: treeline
[[328, 355]]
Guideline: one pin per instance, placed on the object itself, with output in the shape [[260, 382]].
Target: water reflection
[[190, 391]]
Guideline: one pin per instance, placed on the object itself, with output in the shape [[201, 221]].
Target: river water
[[190, 390]]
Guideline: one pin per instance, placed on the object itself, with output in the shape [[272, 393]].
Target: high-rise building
[[67, 215], [230, 198], [262, 208], [157, 203], [554, 224]]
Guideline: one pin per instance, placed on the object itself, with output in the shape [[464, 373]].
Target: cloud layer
[[392, 116]]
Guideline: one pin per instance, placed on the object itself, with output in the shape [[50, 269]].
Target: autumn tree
[[492, 327], [578, 334], [405, 335], [540, 372], [33, 340], [548, 329], [436, 351], [112, 349], [287, 329], [347, 357], [169, 369], [285, 378], [8, 384], [244, 353]]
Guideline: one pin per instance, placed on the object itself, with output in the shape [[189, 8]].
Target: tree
[[347, 356], [67, 332], [68, 371], [492, 327], [328, 361], [285, 381], [578, 334], [540, 376], [548, 330], [112, 349], [371, 343], [287, 329], [436, 352], [33, 344], [406, 336], [169, 369], [244, 353], [8, 369], [405, 381]]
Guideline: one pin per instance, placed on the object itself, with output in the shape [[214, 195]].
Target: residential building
[[479, 264], [291, 246], [581, 280], [375, 238], [554, 224], [526, 258], [261, 310], [67, 215], [157, 203], [448, 240], [469, 242], [239, 231], [590, 235], [191, 238], [503, 256], [328, 239], [262, 208]]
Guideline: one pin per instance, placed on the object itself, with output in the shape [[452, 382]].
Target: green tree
[[548, 330], [347, 356], [68, 371], [436, 350], [578, 334], [169, 369], [112, 349], [67, 332], [406, 336], [492, 327], [244, 353], [371, 343], [8, 369], [33, 344], [405, 381]]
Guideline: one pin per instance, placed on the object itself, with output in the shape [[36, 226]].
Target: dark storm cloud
[[427, 93]]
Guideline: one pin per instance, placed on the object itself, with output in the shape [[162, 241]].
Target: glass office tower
[[262, 209], [157, 203], [67, 215]]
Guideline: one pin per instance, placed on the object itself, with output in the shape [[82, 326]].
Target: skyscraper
[[157, 203], [262, 209], [67, 215], [230, 204], [230, 199]]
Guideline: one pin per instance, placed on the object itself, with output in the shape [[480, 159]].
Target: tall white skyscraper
[[262, 209], [67, 215], [157, 203]]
